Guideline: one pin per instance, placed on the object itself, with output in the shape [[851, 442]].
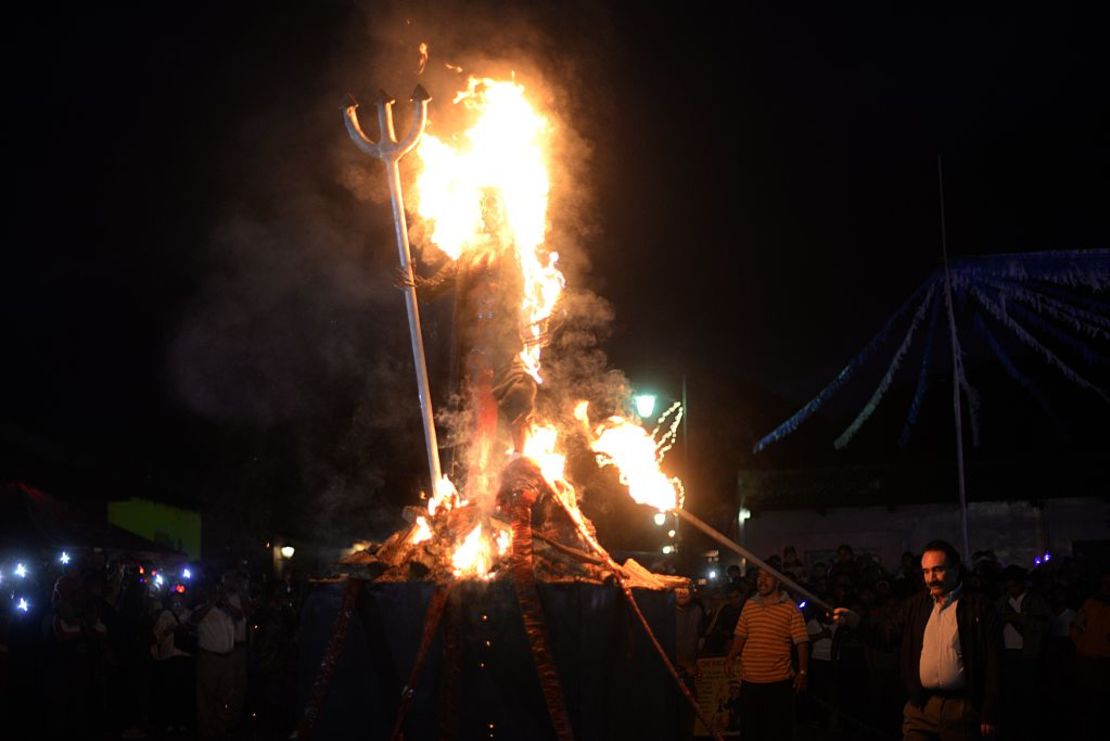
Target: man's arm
[[801, 679], [736, 649]]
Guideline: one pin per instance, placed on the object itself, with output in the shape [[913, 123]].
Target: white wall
[[1015, 531]]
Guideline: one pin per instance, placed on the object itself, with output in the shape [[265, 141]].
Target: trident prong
[[390, 151], [387, 147]]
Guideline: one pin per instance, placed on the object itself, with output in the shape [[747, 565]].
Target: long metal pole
[[957, 363], [390, 151], [423, 387], [742, 551]]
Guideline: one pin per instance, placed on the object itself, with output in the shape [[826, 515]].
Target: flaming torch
[[390, 151], [636, 453]]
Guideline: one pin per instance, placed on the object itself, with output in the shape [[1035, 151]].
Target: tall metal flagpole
[[390, 152], [957, 365]]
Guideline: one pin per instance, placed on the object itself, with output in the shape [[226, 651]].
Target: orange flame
[[423, 531], [636, 453], [472, 557], [490, 193], [445, 497]]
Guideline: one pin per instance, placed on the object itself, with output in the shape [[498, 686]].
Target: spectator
[[689, 624], [792, 565], [822, 683], [770, 625], [237, 589], [719, 634], [1025, 619], [215, 621], [845, 566], [1090, 630], [950, 644], [174, 680]]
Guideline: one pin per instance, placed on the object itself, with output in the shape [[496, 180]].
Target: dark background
[[196, 286]]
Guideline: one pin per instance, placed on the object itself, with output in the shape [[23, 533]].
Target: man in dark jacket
[[950, 652]]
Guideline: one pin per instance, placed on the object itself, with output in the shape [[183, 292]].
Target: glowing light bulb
[[287, 551], [64, 558], [645, 405], [660, 518], [23, 606], [20, 570], [668, 550], [186, 574]]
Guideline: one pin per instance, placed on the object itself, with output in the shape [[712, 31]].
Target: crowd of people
[[122, 648], [845, 673], [100, 648]]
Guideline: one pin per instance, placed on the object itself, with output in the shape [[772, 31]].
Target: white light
[[20, 570], [802, 605], [1047, 557], [186, 574], [670, 533], [287, 551], [64, 558], [745, 514], [645, 405], [23, 605], [712, 574], [668, 550], [660, 518], [158, 580]]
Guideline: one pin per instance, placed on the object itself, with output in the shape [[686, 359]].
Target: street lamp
[[287, 551], [645, 405]]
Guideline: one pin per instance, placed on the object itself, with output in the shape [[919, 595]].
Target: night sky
[[197, 304]]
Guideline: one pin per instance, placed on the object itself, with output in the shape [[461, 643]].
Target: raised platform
[[615, 685]]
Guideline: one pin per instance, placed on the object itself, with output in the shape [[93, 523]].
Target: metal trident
[[390, 151]]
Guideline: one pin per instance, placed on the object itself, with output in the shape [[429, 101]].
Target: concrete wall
[[1015, 531]]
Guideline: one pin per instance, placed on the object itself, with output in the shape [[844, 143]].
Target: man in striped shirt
[[770, 626]]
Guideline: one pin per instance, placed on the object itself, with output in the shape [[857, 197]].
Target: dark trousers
[[174, 684], [1019, 700], [767, 711], [940, 719]]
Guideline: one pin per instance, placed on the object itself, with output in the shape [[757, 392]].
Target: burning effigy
[[500, 535]]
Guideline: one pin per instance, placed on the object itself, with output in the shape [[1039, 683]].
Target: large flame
[[472, 557], [637, 455], [489, 193]]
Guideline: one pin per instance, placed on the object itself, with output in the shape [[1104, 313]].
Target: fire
[[472, 557], [541, 447], [445, 497], [423, 531], [490, 192], [636, 453]]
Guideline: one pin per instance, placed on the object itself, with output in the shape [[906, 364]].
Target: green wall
[[177, 528]]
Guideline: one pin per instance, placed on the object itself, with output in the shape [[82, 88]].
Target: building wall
[[1015, 531], [171, 526]]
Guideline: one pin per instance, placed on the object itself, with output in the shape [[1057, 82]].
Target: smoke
[[296, 331]]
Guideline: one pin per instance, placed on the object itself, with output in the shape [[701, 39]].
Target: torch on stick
[[390, 151], [741, 550]]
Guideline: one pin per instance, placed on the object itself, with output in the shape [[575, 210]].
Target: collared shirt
[[216, 632], [1010, 634], [942, 664], [241, 624], [164, 626], [770, 627]]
